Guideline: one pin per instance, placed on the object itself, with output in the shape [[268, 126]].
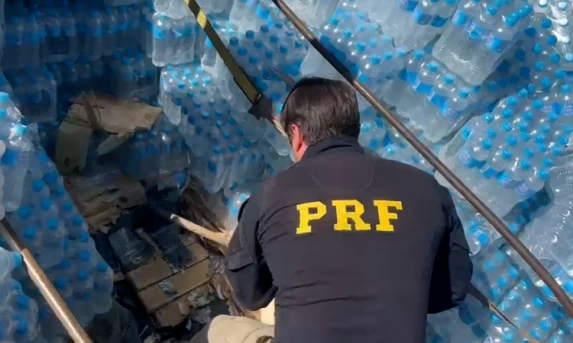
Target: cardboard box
[[174, 287], [158, 269], [178, 311]]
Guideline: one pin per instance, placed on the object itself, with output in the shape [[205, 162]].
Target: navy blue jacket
[[354, 248]]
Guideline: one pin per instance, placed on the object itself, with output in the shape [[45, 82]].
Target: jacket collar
[[333, 144]]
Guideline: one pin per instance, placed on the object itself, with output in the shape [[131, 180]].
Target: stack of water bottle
[[272, 47], [431, 97], [57, 235], [18, 313], [263, 43], [505, 156], [547, 236], [41, 212], [159, 151], [536, 61], [230, 145], [56, 49], [478, 35], [176, 36], [560, 13]]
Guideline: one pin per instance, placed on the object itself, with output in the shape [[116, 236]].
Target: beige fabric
[[228, 329], [267, 314]]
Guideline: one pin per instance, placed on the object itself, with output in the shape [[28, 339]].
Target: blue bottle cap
[[4, 98], [543, 174], [433, 66], [52, 224], [486, 144], [46, 204], [506, 154], [507, 113], [17, 259], [19, 130], [25, 212], [22, 327], [419, 54], [59, 192], [22, 302], [491, 10], [449, 79], [29, 233], [511, 140], [51, 177], [84, 256], [61, 284], [510, 21], [84, 237], [82, 275], [464, 93], [531, 31], [555, 57], [65, 263], [524, 165], [539, 65], [508, 337], [102, 267], [38, 185]]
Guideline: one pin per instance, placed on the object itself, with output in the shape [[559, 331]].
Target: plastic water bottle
[[33, 33], [10, 261], [14, 165], [103, 288], [110, 31], [90, 25], [526, 307], [122, 38], [469, 48], [248, 14], [14, 32], [313, 13], [174, 37], [461, 324], [147, 26], [83, 286]]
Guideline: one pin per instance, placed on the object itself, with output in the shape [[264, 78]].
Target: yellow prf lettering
[[343, 215], [319, 210], [384, 215]]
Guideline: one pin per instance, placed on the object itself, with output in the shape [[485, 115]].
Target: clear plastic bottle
[[14, 165], [103, 288], [110, 28], [83, 296], [31, 38], [14, 41]]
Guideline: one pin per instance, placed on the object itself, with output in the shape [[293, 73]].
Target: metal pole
[[495, 221], [39, 278]]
